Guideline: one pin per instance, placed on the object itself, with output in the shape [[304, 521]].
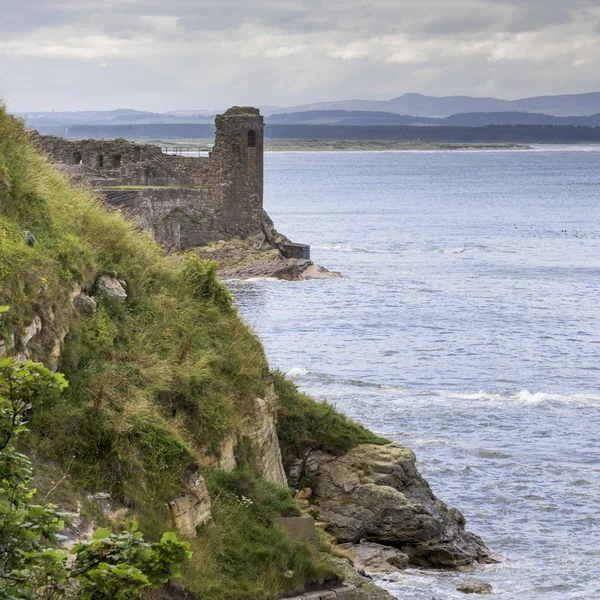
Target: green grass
[[247, 556], [155, 383], [304, 423]]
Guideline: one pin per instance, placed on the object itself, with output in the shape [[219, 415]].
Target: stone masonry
[[182, 201]]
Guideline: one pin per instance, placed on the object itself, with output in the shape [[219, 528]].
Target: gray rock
[[375, 493], [86, 305], [472, 586], [110, 286], [376, 558]]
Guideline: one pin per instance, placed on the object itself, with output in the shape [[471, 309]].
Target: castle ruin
[[183, 201]]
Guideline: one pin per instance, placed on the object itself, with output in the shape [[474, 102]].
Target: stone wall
[[181, 201]]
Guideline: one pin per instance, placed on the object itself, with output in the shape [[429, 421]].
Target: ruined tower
[[183, 201], [237, 164]]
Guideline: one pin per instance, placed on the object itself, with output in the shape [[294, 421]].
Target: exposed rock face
[[375, 493], [193, 508], [111, 287], [258, 428]]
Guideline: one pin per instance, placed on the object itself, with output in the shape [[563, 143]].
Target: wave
[[537, 397], [297, 372], [341, 248]]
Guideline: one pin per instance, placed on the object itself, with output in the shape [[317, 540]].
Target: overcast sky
[[192, 54]]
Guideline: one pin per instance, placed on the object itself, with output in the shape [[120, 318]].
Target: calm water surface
[[468, 330]]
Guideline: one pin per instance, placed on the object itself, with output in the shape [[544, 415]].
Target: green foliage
[[267, 500], [200, 276], [247, 556], [33, 565], [304, 423]]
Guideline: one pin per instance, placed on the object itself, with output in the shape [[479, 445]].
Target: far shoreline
[[193, 146]]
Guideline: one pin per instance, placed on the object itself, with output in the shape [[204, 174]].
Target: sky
[[161, 55]]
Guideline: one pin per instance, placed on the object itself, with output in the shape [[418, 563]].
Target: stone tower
[[237, 163]]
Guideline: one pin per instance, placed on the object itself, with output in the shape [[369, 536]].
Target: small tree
[[33, 565]]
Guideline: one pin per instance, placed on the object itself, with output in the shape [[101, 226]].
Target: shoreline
[[203, 145]]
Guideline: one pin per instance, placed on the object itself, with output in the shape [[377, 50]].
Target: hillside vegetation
[[155, 382]]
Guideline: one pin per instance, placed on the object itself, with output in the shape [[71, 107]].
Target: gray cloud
[[168, 54]]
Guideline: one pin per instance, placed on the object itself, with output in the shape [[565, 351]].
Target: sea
[[468, 329]]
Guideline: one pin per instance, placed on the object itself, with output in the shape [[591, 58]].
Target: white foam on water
[[297, 372], [341, 248], [449, 250], [480, 395], [538, 397]]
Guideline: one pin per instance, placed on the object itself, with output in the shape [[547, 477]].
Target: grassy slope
[[155, 383]]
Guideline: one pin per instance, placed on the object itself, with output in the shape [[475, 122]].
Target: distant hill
[[480, 119], [431, 106], [409, 109]]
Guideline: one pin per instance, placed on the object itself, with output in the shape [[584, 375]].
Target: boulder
[[376, 558], [111, 287], [472, 586], [375, 493], [193, 508], [85, 305]]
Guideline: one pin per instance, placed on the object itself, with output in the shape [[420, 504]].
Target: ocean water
[[468, 329]]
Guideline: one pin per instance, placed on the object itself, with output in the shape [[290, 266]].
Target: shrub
[[33, 565], [200, 276]]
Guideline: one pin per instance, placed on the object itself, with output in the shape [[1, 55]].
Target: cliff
[[172, 415]]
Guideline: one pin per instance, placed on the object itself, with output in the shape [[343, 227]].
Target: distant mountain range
[[567, 105], [409, 109]]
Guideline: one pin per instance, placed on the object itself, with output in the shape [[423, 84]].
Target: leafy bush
[[33, 565], [304, 423]]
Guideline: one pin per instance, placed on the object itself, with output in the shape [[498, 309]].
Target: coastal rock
[[193, 508], [365, 589], [375, 493], [111, 287], [472, 586], [376, 558]]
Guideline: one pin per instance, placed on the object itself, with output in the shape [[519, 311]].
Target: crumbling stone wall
[[181, 201]]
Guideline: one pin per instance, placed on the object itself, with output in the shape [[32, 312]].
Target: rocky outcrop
[[258, 429], [258, 257], [111, 287], [84, 304], [192, 509], [376, 558], [375, 493]]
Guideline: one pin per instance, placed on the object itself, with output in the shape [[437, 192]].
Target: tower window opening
[[100, 160], [252, 139], [77, 158]]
